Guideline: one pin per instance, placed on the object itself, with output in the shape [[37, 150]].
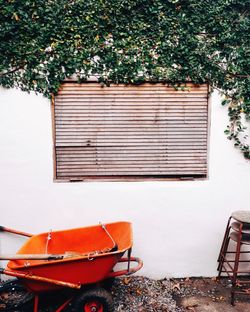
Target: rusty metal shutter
[[130, 131]]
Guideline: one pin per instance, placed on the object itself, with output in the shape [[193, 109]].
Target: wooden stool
[[237, 234]]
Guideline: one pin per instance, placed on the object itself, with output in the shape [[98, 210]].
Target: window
[[123, 132]]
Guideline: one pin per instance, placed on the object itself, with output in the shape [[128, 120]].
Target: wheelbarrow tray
[[91, 262]]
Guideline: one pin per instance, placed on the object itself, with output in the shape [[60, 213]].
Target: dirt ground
[[141, 294], [212, 296]]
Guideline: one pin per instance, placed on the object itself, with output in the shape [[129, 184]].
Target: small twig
[[12, 71]]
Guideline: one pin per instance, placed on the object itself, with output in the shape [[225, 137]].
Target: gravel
[[142, 294]]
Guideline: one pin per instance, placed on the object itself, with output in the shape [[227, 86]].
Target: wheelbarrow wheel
[[94, 300]]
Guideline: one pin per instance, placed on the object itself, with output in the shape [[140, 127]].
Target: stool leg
[[223, 255], [224, 239], [236, 265], [224, 247]]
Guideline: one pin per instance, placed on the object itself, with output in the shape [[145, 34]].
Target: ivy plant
[[131, 41]]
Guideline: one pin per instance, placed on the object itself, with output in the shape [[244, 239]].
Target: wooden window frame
[[130, 178]]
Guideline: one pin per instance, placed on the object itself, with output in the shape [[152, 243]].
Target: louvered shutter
[[130, 131]]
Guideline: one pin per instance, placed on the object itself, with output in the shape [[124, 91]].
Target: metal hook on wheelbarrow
[[115, 246]]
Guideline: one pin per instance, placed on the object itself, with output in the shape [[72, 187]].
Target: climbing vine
[[131, 41]]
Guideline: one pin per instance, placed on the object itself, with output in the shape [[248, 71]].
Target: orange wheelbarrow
[[80, 260]]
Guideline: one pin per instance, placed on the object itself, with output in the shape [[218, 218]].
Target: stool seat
[[244, 240], [241, 216], [245, 228]]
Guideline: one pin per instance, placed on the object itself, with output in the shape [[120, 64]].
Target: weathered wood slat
[[120, 136], [130, 150], [119, 159], [130, 98], [80, 125], [118, 132], [129, 108], [119, 90], [135, 119], [174, 171], [125, 149], [94, 110], [175, 97], [171, 157], [131, 127], [128, 140], [115, 108], [125, 92], [139, 124], [128, 93], [132, 131], [133, 106], [131, 86], [131, 167], [96, 158], [137, 96], [128, 164], [136, 142], [133, 156], [134, 89], [133, 102], [145, 86], [130, 134], [127, 116], [100, 139], [167, 144]]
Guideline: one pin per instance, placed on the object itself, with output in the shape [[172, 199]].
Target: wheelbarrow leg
[[59, 309], [36, 301], [64, 305]]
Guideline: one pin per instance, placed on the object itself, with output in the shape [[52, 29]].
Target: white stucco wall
[[178, 226]]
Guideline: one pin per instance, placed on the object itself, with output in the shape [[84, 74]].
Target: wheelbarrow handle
[[128, 271], [40, 279], [5, 229], [32, 257]]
